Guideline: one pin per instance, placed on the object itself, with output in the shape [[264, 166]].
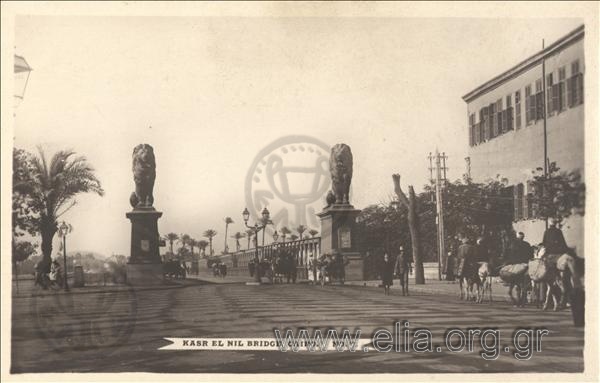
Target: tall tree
[[171, 237], [313, 232], [413, 224], [202, 246], [51, 187], [301, 229], [184, 239], [228, 221], [237, 236], [293, 237], [285, 232], [558, 195], [210, 234]]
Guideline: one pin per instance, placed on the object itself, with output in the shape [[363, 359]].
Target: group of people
[[399, 267], [327, 268], [219, 269], [48, 274], [515, 251]]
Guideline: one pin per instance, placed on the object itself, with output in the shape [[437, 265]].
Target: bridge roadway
[[106, 329]]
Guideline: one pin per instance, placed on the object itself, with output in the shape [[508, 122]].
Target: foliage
[[210, 234], [22, 250], [313, 232], [25, 220], [470, 208], [202, 244], [559, 195], [50, 188], [301, 229], [237, 236]]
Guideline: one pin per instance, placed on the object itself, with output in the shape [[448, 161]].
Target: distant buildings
[[506, 126]]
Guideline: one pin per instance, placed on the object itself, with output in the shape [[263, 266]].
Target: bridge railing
[[301, 249]]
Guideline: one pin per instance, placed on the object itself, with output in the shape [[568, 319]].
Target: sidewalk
[[207, 276], [433, 286]]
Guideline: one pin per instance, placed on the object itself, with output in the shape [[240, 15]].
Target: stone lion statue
[[340, 166], [144, 174]]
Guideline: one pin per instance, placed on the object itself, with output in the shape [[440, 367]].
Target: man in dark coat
[[554, 241], [467, 254], [522, 250], [402, 267]]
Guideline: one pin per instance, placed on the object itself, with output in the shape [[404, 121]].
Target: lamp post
[[275, 236], [256, 228], [63, 230]]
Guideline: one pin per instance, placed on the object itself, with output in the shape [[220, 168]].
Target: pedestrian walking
[[402, 268], [387, 273]]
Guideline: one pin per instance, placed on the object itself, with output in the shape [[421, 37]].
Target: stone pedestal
[[78, 278], [144, 266], [338, 234]]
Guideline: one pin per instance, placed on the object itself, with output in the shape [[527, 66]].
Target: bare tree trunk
[[413, 225]]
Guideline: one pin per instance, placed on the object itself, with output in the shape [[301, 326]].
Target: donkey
[[516, 276], [485, 285]]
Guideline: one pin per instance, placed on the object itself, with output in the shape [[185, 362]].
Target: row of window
[[494, 120]]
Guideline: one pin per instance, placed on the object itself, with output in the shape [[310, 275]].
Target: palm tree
[[249, 234], [192, 243], [301, 229], [171, 237], [293, 237], [313, 232], [284, 232], [53, 187], [202, 246], [237, 236], [228, 220], [210, 234], [184, 239]]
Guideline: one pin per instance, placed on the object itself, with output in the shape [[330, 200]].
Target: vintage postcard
[[295, 191]]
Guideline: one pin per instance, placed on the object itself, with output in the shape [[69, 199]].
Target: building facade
[[506, 117]]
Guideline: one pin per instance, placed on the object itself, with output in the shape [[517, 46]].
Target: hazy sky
[[209, 93]]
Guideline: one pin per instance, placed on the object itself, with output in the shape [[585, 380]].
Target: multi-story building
[[506, 118]]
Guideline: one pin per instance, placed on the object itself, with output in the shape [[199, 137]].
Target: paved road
[[117, 330]]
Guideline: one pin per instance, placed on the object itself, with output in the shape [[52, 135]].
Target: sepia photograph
[[297, 190]]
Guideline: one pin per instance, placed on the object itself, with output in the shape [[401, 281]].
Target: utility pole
[[544, 111], [440, 182]]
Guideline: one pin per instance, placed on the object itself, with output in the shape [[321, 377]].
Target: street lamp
[[275, 236], [63, 230], [256, 228]]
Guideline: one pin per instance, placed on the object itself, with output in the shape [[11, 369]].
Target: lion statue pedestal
[[338, 218], [144, 266]]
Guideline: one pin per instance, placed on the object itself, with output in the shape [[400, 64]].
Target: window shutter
[[539, 106], [580, 88], [549, 102], [570, 92], [526, 203], [471, 134], [478, 133], [491, 120], [515, 203], [555, 101], [509, 114], [534, 198], [518, 115]]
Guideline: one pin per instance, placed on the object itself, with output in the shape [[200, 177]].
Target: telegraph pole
[[440, 180]]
